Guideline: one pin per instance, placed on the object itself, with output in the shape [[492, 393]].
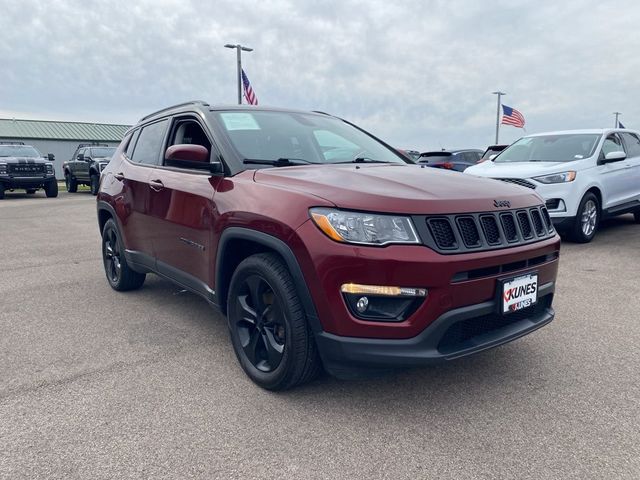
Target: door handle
[[119, 176], [156, 185]]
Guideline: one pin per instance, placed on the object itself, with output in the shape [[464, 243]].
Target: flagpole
[[499, 94], [616, 114], [239, 49]]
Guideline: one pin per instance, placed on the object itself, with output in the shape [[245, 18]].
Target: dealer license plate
[[520, 292]]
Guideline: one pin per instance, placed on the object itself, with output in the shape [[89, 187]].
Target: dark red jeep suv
[[322, 245]]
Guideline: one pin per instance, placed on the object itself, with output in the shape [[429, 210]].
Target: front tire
[[30, 191], [71, 183], [119, 275], [51, 189], [587, 220], [1, 191], [636, 216], [268, 326], [95, 184]]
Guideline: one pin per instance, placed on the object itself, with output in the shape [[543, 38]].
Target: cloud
[[417, 73]]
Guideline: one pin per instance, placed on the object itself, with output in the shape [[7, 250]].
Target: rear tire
[[587, 220], [636, 216], [71, 183], [1, 191], [119, 275], [268, 326], [51, 189], [31, 191], [95, 184]]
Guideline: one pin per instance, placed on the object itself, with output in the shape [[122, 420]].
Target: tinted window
[[18, 151], [633, 144], [132, 143], [103, 152], [551, 148], [80, 152], [265, 135], [611, 144], [149, 144]]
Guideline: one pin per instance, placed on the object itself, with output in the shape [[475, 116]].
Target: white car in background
[[583, 175]]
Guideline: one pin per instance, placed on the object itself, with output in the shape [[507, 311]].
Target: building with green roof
[[59, 138]]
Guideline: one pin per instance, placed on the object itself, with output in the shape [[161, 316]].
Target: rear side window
[[132, 143], [149, 144], [633, 144]]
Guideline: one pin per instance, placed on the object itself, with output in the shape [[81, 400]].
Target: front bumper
[[10, 183], [456, 333]]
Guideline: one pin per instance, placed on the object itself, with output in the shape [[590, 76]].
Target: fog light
[[362, 304], [382, 303]]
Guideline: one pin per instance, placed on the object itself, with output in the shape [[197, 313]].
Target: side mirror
[[615, 156], [80, 157], [51, 157], [190, 156]]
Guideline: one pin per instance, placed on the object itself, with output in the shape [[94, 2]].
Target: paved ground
[[96, 384]]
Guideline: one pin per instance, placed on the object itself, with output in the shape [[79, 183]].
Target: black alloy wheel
[[120, 275], [261, 327], [269, 331]]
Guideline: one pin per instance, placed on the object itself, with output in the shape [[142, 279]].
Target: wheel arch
[[105, 212], [238, 243]]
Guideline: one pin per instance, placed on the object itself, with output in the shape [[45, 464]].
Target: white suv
[[583, 175]]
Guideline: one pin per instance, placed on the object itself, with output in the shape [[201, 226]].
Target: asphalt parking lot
[[99, 384]]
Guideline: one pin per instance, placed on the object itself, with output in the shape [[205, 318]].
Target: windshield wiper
[[281, 162], [364, 160]]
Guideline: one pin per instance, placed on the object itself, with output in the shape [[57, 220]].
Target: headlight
[[563, 177], [364, 228], [3, 168], [49, 169]]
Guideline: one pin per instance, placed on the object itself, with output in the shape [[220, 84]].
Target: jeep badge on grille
[[502, 203]]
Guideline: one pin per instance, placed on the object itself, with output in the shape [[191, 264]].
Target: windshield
[[18, 151], [269, 136], [106, 152], [550, 148]]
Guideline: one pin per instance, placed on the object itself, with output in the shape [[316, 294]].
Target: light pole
[[239, 48], [616, 114], [499, 94]]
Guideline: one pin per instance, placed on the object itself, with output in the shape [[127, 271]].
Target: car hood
[[410, 189], [517, 169]]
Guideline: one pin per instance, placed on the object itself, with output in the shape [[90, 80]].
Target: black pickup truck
[[85, 166], [22, 167]]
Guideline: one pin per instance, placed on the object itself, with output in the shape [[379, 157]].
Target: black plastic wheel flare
[[112, 256], [260, 324]]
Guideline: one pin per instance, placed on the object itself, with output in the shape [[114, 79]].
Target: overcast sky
[[417, 73]]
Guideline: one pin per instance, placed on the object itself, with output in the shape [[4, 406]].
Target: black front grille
[[547, 219], [460, 335], [509, 227], [469, 231], [442, 233], [25, 169], [484, 230], [518, 181], [490, 228], [525, 224], [538, 226]]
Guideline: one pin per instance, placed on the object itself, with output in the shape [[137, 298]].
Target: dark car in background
[[22, 167], [492, 150], [457, 160], [85, 166]]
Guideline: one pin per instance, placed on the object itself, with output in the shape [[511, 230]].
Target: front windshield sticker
[[239, 121]]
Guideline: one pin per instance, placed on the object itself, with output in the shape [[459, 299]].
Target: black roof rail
[[11, 143], [192, 102], [92, 144], [322, 113]]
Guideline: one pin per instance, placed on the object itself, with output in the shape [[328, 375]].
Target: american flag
[[511, 116], [248, 91]]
